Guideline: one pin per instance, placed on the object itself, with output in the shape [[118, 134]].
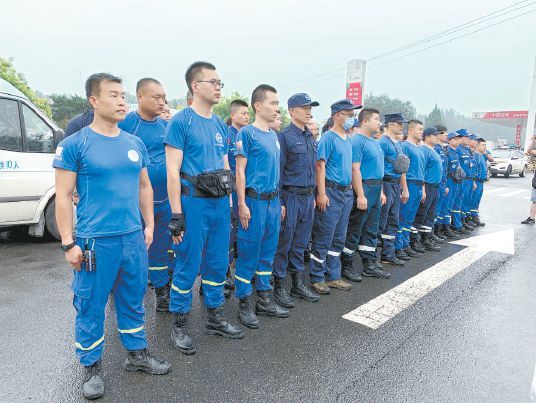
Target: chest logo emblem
[[133, 155], [219, 138]]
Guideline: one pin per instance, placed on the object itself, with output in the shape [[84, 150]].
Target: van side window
[[39, 135], [10, 133]]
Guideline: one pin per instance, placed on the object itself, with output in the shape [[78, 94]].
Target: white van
[[28, 140]]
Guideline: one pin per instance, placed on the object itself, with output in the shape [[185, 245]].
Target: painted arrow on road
[[381, 309]]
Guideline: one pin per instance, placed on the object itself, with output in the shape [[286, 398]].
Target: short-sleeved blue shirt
[[391, 149], [298, 157], [203, 141], [442, 152], [108, 176], [368, 152], [262, 150], [433, 169], [152, 134], [337, 152], [416, 158], [232, 133]]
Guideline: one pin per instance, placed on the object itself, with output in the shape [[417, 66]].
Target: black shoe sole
[[185, 351], [249, 325], [132, 367], [264, 313], [374, 275], [308, 299], [352, 279], [394, 264], [223, 334]]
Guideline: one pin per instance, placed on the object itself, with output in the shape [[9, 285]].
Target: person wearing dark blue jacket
[[442, 193], [453, 184], [464, 154], [480, 178]]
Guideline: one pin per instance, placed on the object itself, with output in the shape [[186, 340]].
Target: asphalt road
[[471, 339]]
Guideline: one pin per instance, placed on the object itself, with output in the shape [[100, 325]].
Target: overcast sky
[[57, 44]]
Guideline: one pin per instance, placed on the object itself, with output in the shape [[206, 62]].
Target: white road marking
[[381, 309], [532, 397], [513, 192]]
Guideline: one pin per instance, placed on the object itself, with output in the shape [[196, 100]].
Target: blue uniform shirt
[[203, 141], [368, 152], [152, 134], [108, 177], [416, 157], [262, 151], [232, 133], [433, 170], [472, 165], [391, 149], [337, 153], [482, 166], [453, 161], [442, 151], [298, 157], [464, 158], [79, 122]]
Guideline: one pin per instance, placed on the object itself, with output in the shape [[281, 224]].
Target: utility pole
[[532, 110]]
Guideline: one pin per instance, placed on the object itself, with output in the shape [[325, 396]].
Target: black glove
[[177, 224]]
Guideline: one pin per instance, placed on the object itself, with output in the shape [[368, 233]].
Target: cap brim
[[314, 103]]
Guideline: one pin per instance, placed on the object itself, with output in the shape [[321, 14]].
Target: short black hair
[[259, 94], [414, 122], [144, 81], [236, 103], [194, 70], [441, 128], [366, 113], [93, 82]]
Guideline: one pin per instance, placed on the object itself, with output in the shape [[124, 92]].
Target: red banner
[[354, 92], [501, 115], [518, 134]]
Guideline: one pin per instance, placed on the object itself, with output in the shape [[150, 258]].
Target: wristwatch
[[65, 248]]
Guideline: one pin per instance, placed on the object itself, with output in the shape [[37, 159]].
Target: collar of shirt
[[297, 130]]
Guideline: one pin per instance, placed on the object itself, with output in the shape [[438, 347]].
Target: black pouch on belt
[[214, 184]]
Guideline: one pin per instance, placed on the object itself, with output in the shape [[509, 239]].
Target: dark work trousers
[[389, 217], [424, 220]]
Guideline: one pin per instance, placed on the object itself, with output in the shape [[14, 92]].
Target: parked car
[[28, 140], [508, 162]]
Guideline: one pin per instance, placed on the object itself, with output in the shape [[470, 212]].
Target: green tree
[[385, 104], [435, 117], [65, 107], [17, 79]]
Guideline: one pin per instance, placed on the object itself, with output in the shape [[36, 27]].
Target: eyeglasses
[[215, 83]]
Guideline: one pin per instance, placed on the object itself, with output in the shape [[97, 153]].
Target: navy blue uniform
[[233, 132], [298, 180], [464, 156], [453, 162], [363, 225], [481, 173], [329, 228], [441, 196], [79, 122]]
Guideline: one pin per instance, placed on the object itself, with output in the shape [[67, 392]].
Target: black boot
[[141, 360], [179, 334], [416, 245], [446, 230], [378, 264], [460, 231], [280, 293], [217, 324], [469, 221], [162, 298], [347, 270], [476, 220], [93, 386], [300, 290], [401, 254], [394, 260], [437, 237], [370, 270], [411, 252], [229, 284], [428, 244], [246, 315], [266, 305], [467, 226]]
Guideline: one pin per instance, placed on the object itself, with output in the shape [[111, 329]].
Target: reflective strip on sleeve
[[456, 211], [208, 282], [158, 268], [263, 273], [386, 236], [336, 254], [79, 346], [348, 251], [242, 279], [315, 258], [366, 248], [174, 288], [136, 330]]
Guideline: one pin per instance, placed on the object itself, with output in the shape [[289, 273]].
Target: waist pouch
[[459, 175], [212, 184]]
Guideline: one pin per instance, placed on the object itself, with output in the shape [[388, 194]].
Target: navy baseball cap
[[473, 137], [463, 133], [301, 99], [452, 135], [431, 131], [343, 105], [395, 117]]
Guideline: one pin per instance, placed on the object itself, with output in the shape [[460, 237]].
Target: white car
[[508, 162], [28, 140]]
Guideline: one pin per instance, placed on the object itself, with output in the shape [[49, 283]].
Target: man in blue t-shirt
[[453, 184], [442, 191], [480, 178], [108, 166], [334, 198], [147, 126], [433, 176], [259, 208], [395, 188], [367, 176], [417, 194], [196, 155]]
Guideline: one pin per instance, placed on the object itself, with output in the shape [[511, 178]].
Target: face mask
[[348, 123]]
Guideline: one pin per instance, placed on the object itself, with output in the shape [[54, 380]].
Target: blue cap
[[463, 133], [343, 105], [431, 131], [453, 135], [473, 137], [301, 99], [395, 117]]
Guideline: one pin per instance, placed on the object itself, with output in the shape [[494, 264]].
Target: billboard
[[355, 81]]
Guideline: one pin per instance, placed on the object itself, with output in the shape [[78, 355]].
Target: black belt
[[480, 180], [372, 181], [335, 185], [261, 196], [390, 179], [302, 191], [433, 185], [415, 182], [186, 191]]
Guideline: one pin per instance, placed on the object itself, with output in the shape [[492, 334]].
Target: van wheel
[[523, 171], [508, 171], [50, 220]]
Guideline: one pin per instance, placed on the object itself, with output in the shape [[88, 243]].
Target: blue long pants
[[122, 267], [206, 239], [468, 199], [295, 233], [441, 200], [159, 258], [234, 228], [477, 197], [424, 220], [389, 219], [257, 246], [457, 212], [407, 216], [363, 225], [454, 191], [329, 235]]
